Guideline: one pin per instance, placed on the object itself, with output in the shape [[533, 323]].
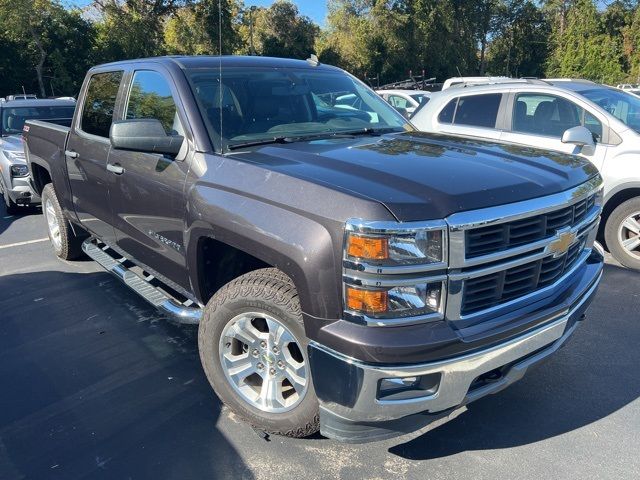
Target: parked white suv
[[572, 116], [405, 101]]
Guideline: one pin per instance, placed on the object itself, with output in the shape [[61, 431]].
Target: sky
[[315, 9]]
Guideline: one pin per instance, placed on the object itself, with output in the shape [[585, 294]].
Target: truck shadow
[[96, 385], [595, 375]]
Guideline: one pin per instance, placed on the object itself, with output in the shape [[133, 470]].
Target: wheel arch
[[615, 198]]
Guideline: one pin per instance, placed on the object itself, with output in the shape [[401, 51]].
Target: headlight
[[384, 244], [390, 272], [401, 301], [19, 170]]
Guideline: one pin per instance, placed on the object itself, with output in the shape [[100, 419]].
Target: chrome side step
[[181, 312]]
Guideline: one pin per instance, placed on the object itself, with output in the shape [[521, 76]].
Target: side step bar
[[180, 312]]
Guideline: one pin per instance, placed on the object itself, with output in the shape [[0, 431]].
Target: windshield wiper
[[370, 131], [256, 143]]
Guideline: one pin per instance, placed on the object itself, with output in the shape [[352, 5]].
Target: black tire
[[10, 206], [69, 247], [612, 237], [272, 292]]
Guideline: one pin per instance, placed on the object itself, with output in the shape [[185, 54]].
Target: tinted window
[[446, 115], [150, 97], [13, 118], [550, 116], [100, 103], [478, 110]]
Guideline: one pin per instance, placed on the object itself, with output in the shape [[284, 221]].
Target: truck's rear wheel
[[66, 244], [253, 350]]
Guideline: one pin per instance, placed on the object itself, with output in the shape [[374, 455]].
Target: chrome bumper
[[456, 374]]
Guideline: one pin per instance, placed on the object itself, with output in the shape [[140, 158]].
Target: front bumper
[[22, 193], [352, 408]]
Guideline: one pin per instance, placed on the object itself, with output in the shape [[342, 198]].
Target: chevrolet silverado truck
[[348, 273]]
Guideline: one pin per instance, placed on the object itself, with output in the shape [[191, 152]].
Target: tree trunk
[[40, 65]]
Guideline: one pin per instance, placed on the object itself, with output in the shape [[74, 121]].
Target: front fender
[[303, 248]]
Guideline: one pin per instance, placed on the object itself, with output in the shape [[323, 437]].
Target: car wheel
[[10, 206], [66, 244], [622, 233], [254, 352]]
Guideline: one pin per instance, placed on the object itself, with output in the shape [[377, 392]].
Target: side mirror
[[144, 135], [579, 136]]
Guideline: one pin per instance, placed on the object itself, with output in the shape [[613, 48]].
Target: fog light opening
[[404, 388]]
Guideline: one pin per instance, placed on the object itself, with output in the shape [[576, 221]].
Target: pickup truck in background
[[347, 273], [14, 175]]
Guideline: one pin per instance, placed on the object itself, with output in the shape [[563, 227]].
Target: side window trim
[[77, 122]]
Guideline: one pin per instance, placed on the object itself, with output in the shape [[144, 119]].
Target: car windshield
[[622, 105], [245, 105], [13, 118]]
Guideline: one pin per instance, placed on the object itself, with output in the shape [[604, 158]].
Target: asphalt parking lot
[[95, 384]]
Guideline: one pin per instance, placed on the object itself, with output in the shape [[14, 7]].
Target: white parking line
[[24, 243]]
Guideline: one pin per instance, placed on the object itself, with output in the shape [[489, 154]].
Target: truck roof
[[213, 61], [37, 103]]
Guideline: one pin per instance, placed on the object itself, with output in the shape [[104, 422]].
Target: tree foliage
[[47, 46]]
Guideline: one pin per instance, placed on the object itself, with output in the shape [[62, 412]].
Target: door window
[[150, 98], [549, 115], [472, 110], [399, 102], [99, 103]]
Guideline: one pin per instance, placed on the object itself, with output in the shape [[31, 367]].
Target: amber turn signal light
[[367, 301], [372, 248]]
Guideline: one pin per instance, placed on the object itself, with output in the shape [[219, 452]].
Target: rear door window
[[478, 110], [100, 103], [472, 110]]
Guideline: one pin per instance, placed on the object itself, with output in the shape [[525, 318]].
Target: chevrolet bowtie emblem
[[561, 244]]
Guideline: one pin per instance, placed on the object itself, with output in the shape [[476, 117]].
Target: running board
[[181, 312]]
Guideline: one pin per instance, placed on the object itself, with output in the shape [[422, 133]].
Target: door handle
[[115, 168], [71, 154]]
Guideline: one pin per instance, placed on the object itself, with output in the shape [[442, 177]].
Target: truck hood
[[422, 176], [12, 143]]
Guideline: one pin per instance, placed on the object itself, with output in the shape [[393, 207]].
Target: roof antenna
[[459, 74], [220, 71], [313, 60]]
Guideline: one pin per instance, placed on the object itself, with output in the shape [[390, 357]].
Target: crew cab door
[[147, 197], [87, 151], [540, 119]]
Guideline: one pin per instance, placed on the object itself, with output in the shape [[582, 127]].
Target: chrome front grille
[[502, 257], [494, 289], [504, 236]]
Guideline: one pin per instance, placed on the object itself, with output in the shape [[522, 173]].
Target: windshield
[[13, 118], [624, 106], [259, 104]]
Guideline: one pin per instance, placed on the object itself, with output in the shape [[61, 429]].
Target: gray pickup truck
[[347, 273]]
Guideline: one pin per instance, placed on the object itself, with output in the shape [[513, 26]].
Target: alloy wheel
[[629, 234], [264, 362], [53, 225]]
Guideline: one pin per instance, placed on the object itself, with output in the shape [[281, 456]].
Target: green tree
[[278, 31]]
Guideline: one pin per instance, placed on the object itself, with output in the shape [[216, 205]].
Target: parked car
[[599, 123], [461, 81], [14, 174], [626, 86], [405, 101], [20, 96], [347, 272]]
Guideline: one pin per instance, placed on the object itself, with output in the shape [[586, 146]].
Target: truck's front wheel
[[66, 244], [253, 350]]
